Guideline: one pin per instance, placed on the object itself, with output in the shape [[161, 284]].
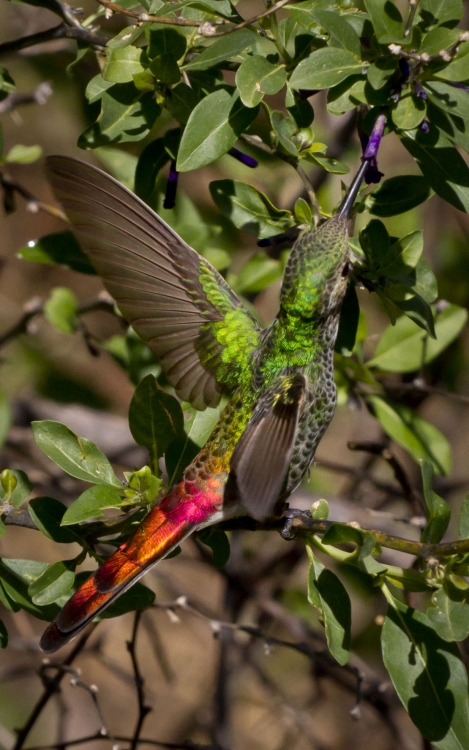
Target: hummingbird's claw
[[290, 515]]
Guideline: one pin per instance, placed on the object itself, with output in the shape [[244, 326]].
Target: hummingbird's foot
[[290, 515]]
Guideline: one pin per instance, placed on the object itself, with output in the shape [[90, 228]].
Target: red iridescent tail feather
[[179, 514]]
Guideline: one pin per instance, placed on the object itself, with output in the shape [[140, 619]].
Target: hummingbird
[[279, 380]]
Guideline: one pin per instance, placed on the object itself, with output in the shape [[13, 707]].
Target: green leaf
[[285, 130], [20, 154], [137, 598], [47, 513], [429, 677], [441, 164], [449, 98], [180, 101], [249, 209], [165, 68], [409, 112], [164, 40], [56, 580], [320, 510], [3, 635], [439, 513], [415, 434], [256, 76], [398, 195], [155, 419], [7, 83], [302, 211], [212, 129], [91, 503], [120, 164], [328, 595], [334, 166], [61, 309], [5, 416], [341, 533], [437, 39], [218, 542], [341, 32], [450, 612], [77, 456], [348, 322], [386, 20], [439, 12], [325, 68], [223, 49], [15, 577], [60, 248], [128, 35], [126, 115], [457, 69], [122, 64], [380, 71], [404, 348], [404, 254], [181, 451], [96, 88], [15, 487], [463, 526], [153, 158], [257, 274]]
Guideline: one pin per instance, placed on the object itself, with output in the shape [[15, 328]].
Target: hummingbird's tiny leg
[[289, 517]]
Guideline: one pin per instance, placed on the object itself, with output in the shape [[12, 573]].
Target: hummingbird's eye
[[345, 270]]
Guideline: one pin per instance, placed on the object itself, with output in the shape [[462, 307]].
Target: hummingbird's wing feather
[[176, 301], [261, 458]]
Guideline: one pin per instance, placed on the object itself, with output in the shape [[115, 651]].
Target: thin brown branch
[[143, 709], [62, 31], [11, 186], [206, 28], [185, 745], [35, 307], [52, 686], [419, 386], [39, 95]]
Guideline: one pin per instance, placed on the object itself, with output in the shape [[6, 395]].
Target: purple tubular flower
[[371, 149], [425, 126], [248, 161], [171, 187], [460, 86], [419, 90]]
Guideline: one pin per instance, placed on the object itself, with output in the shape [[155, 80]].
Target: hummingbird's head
[[315, 279]]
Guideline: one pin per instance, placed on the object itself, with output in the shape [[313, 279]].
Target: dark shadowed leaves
[[397, 195], [60, 248], [155, 419], [249, 209], [429, 677], [327, 593], [438, 511]]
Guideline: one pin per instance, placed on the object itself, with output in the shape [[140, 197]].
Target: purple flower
[[243, 158], [419, 90], [460, 86], [371, 149], [425, 126], [171, 187]]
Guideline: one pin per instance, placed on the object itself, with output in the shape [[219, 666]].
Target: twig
[[419, 386], [185, 745], [11, 186], [52, 687], [35, 307], [206, 28], [62, 31], [143, 709], [39, 95], [378, 449]]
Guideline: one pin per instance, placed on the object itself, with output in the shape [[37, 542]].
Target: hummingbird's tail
[[168, 524]]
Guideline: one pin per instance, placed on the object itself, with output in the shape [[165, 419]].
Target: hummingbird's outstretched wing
[[176, 301], [260, 461]]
